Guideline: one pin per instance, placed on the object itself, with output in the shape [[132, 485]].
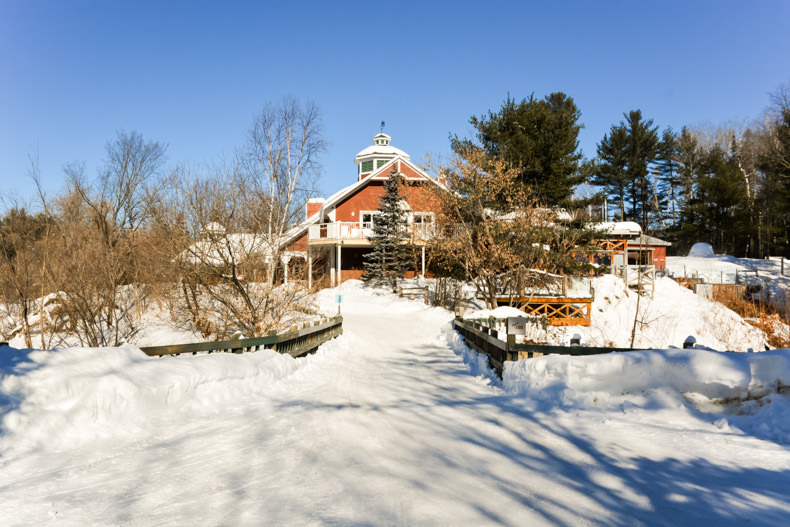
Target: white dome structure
[[377, 155]]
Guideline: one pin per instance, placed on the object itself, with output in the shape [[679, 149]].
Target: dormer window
[[367, 166]]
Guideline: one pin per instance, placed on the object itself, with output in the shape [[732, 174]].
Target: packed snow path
[[383, 426]]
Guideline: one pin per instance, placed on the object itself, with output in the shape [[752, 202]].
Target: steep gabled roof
[[381, 174]]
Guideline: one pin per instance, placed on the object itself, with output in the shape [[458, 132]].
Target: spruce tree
[[390, 258]]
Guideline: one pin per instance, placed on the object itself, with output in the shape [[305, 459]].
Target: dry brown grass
[[758, 314]]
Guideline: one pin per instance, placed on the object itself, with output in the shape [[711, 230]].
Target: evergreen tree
[[625, 156], [611, 167], [390, 258], [717, 210], [668, 184], [687, 153], [774, 163], [539, 138], [640, 153]]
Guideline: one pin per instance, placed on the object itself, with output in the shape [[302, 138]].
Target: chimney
[[313, 206]]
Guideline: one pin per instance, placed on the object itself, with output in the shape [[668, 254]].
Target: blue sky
[[194, 74]]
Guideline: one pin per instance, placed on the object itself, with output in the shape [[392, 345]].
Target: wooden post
[[423, 263], [426, 295], [309, 270], [339, 266]]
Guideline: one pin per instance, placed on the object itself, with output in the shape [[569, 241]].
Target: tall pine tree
[[611, 167], [668, 184], [391, 256], [540, 138], [641, 152], [625, 156]]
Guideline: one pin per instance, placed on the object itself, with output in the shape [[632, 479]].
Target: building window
[[423, 225], [367, 166], [368, 217], [380, 163], [423, 218]]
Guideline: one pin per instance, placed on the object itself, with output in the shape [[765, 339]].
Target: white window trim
[[423, 215], [372, 213]]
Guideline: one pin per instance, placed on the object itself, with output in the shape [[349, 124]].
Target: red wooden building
[[333, 238]]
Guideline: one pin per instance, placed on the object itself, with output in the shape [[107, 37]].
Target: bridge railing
[[295, 342], [483, 339]]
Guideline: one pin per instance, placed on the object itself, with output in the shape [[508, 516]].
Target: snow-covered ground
[[673, 314], [771, 274], [394, 423]]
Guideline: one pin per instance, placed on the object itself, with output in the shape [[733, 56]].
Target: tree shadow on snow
[[13, 362], [511, 465]]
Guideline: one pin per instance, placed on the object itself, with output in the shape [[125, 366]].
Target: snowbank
[[67, 396], [736, 387], [498, 313], [666, 320]]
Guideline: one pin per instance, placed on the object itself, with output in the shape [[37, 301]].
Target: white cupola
[[377, 155]]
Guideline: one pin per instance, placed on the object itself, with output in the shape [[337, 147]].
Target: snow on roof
[[650, 240], [381, 148], [619, 228], [227, 248]]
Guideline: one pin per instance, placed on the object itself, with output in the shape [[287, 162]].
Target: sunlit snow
[[397, 422]]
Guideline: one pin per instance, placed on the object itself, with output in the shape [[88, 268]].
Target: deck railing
[[295, 342], [354, 230]]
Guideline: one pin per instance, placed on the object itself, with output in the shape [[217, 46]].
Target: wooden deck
[[613, 246], [559, 311]]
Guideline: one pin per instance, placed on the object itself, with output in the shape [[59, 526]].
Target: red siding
[[313, 208], [300, 244], [660, 258], [420, 197]]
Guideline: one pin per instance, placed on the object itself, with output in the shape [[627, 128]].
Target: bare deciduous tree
[[94, 249], [20, 240], [281, 167], [221, 265], [494, 227]]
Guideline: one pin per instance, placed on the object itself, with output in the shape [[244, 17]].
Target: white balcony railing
[[345, 230]]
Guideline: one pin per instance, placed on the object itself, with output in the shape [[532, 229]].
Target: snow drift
[[73, 395], [746, 389]]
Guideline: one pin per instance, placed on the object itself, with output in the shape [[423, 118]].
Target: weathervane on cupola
[[377, 155]]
